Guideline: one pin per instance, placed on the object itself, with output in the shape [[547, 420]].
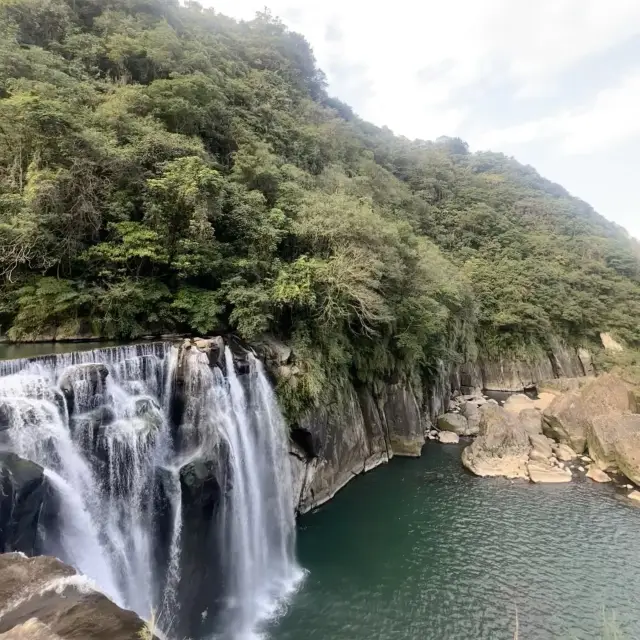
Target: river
[[422, 550]]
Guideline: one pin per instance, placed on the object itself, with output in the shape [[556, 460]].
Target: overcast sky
[[555, 83]]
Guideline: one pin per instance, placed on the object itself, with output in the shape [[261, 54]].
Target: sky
[[555, 83]]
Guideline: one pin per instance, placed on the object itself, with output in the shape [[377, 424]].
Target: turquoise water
[[421, 550]]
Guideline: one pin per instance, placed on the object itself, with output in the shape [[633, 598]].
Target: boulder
[[31, 630], [542, 444], [471, 411], [634, 495], [569, 417], [597, 475], [502, 447], [23, 491], [83, 385], [454, 422], [537, 456], [518, 402], [42, 598], [614, 443], [213, 348], [544, 399], [546, 474], [448, 437], [564, 452], [531, 420]]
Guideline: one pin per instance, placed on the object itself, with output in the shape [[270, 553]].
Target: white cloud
[[527, 43], [423, 68], [612, 117]]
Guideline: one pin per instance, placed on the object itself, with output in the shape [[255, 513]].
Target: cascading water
[[169, 476]]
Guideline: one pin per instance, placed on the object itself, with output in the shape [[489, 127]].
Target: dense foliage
[[165, 168]]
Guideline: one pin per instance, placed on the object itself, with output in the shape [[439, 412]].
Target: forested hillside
[[165, 168]]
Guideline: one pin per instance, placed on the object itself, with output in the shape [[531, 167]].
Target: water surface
[[421, 550]]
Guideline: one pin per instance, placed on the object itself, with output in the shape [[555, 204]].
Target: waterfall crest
[[169, 479]]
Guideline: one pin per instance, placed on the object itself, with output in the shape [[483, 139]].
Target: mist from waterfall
[[102, 425]]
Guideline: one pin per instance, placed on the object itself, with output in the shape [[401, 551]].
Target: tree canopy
[[166, 168]]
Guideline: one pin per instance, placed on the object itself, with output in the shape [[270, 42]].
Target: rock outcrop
[[23, 490], [43, 599], [502, 447], [355, 431], [564, 452], [597, 475], [509, 374], [569, 417]]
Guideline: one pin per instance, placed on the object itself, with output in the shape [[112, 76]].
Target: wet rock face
[[42, 598], [23, 491], [508, 374], [204, 483], [83, 386]]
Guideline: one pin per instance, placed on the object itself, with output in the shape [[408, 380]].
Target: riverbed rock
[[546, 474], [597, 475], [518, 402], [531, 420], [455, 423], [544, 399], [564, 452], [537, 456], [569, 417], [23, 491], [614, 443], [43, 593], [634, 495], [471, 411], [542, 444], [502, 447], [448, 437]]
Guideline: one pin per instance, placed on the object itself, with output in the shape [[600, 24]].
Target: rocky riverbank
[[588, 426], [362, 425]]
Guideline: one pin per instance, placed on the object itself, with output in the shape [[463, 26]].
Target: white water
[[103, 435]]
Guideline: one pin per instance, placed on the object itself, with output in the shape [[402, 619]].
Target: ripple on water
[[421, 550]]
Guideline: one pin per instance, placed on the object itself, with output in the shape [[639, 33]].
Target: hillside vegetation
[[165, 168]]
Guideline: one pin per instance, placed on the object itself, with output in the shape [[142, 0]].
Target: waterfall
[[260, 525], [170, 480]]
